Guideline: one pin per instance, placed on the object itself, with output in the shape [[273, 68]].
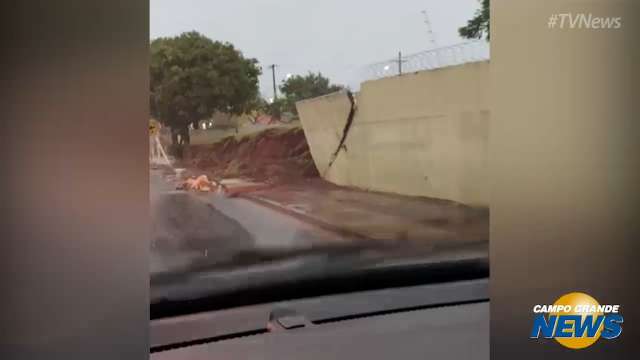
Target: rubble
[[200, 183], [272, 156]]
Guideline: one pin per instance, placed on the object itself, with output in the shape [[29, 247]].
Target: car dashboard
[[434, 321]]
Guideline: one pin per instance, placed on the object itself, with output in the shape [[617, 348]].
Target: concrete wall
[[424, 133]]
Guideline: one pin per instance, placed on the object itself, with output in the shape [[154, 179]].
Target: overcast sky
[[336, 37]]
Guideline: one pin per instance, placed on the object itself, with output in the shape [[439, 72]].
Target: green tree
[[478, 26], [193, 76], [299, 87]]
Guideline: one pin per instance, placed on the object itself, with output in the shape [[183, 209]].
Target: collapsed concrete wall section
[[424, 134]]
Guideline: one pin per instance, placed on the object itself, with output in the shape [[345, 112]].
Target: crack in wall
[[345, 132]]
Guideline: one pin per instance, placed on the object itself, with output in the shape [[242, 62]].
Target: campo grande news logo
[[576, 320]]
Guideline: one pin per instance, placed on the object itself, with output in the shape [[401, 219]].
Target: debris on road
[[228, 187], [200, 183], [234, 187]]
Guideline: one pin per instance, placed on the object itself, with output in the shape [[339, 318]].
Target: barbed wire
[[457, 54]]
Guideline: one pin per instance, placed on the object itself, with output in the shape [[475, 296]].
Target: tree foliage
[[193, 76], [299, 87], [478, 26]]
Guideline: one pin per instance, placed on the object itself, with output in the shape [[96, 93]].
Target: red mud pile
[[273, 156]]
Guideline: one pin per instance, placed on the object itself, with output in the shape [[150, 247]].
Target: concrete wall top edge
[[327, 96]]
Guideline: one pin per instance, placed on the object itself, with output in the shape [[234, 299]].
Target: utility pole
[[273, 73]]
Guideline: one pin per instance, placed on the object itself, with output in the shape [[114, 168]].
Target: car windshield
[[288, 147]]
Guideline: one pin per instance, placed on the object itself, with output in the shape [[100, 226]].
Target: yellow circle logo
[[589, 306]]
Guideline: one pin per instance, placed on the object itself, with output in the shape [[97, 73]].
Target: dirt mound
[[272, 156]]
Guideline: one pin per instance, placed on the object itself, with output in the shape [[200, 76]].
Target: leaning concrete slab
[[422, 134]]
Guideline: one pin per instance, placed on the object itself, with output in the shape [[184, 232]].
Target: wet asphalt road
[[188, 227]]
